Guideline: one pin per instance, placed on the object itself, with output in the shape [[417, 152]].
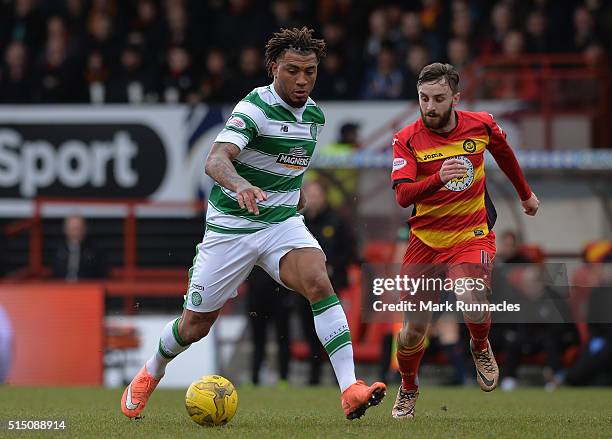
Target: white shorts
[[223, 261]]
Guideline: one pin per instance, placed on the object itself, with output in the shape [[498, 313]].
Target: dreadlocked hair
[[299, 40]]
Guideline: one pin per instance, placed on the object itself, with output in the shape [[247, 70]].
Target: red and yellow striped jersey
[[460, 210]]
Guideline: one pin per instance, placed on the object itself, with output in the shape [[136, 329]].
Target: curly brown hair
[[299, 40]]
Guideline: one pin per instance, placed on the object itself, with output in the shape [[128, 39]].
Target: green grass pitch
[[297, 412]]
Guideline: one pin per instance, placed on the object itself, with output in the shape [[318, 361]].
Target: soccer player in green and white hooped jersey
[[258, 161]]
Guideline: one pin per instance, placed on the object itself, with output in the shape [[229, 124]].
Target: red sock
[[479, 333], [408, 359]]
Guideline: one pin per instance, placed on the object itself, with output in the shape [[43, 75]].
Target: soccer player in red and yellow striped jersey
[[438, 166]]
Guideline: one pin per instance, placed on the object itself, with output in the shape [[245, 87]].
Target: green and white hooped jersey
[[277, 142]]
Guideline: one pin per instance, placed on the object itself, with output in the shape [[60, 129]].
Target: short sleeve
[[404, 162], [243, 125]]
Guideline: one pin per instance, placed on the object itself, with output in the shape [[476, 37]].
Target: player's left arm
[[505, 158]]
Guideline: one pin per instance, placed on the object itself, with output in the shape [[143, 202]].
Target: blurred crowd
[[143, 51]]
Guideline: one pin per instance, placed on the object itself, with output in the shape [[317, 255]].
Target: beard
[[440, 120]]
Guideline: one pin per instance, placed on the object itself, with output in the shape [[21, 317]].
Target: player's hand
[[530, 206], [248, 196], [453, 168]]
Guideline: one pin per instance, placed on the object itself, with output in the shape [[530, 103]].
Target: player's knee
[[477, 316], [196, 326], [317, 287], [195, 331], [411, 335]]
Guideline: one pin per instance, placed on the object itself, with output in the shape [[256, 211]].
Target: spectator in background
[[586, 94], [249, 18], [412, 34], [537, 39], [509, 249], [59, 78], [462, 27], [149, 24], [458, 54], [501, 25], [602, 13], [519, 81], [595, 55], [379, 34], [100, 38], [178, 83], [56, 30], [513, 44], [348, 141], [594, 364], [252, 72], [25, 25], [133, 82], [417, 58], [178, 24], [345, 12], [341, 184], [431, 14], [101, 26], [584, 29], [218, 84], [334, 82], [393, 11], [544, 325], [96, 78], [15, 80], [332, 232], [347, 49], [268, 302], [284, 14], [77, 257], [107, 7], [384, 80], [74, 12]]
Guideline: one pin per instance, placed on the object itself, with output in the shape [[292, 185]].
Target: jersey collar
[[454, 130], [296, 111]]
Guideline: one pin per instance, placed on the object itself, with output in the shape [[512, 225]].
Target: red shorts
[[472, 259]]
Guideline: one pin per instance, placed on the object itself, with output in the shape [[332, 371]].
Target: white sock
[[333, 331], [170, 345]]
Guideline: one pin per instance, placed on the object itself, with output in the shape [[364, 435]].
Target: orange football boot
[[359, 397], [137, 393]]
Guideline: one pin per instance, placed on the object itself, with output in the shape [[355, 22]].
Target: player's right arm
[[219, 167], [407, 190], [239, 130]]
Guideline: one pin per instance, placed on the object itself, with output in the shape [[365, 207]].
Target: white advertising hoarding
[[155, 153]]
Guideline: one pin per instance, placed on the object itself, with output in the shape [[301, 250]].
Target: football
[[211, 400]]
